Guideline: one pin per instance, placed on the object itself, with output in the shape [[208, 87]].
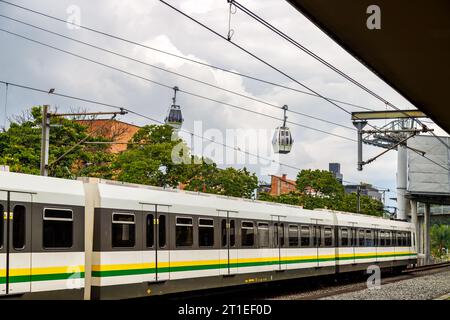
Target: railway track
[[357, 285], [304, 288]]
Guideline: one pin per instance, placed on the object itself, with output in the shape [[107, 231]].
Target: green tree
[[440, 239], [329, 194], [154, 147], [148, 158], [320, 181], [20, 148]]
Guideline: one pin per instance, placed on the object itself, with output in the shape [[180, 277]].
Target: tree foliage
[[440, 240], [20, 148], [154, 147], [328, 193], [320, 181]]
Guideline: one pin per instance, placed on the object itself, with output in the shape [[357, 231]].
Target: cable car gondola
[[282, 140], [174, 117]]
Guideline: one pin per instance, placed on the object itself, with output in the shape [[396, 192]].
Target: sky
[[151, 23]]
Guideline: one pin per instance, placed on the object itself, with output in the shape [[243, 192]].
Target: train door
[[156, 253], [354, 244], [228, 236], [15, 242], [279, 237]]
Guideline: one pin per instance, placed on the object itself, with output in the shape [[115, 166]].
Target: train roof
[[45, 190], [127, 196]]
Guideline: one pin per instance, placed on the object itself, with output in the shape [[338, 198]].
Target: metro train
[[99, 239]]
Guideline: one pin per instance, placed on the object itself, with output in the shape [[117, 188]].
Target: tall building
[[335, 169]]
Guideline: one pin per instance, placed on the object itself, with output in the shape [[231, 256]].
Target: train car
[[97, 239], [42, 249]]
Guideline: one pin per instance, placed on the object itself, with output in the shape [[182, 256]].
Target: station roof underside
[[411, 51]]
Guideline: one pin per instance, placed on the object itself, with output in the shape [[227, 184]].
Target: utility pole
[[45, 135], [358, 198], [45, 140]]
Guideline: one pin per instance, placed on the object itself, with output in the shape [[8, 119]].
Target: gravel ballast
[[421, 288]]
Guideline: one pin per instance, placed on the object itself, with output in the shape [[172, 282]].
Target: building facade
[[118, 132]]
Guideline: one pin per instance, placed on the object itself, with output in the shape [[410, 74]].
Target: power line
[[181, 57], [253, 55], [171, 87], [278, 70], [176, 73], [321, 60], [145, 117], [121, 108], [305, 49]]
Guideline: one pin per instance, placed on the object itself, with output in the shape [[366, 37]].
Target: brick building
[[114, 130], [281, 185]]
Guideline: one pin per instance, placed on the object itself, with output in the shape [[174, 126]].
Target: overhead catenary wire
[[324, 62], [145, 117], [305, 49], [116, 37], [284, 73], [321, 96], [176, 73], [171, 87]]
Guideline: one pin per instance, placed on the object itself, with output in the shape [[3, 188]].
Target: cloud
[[153, 24]]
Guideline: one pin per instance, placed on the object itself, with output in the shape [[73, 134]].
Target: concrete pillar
[[415, 222], [401, 182], [426, 223]]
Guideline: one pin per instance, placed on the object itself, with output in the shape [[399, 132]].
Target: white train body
[[101, 239]]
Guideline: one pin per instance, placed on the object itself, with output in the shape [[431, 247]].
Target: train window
[[223, 230], [408, 239], [353, 238], [316, 236], [263, 234], [205, 232], [361, 238], [388, 238], [344, 237], [328, 237], [123, 230], [1, 226], [293, 235], [162, 231], [381, 241], [19, 227], [232, 233], [369, 238], [276, 238], [305, 235], [150, 225], [281, 234], [184, 232], [58, 228], [247, 234]]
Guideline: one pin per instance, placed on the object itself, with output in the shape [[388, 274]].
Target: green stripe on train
[[43, 277], [130, 272]]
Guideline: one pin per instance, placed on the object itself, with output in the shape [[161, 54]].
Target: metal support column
[[359, 125], [415, 222], [45, 139], [427, 244], [401, 181]]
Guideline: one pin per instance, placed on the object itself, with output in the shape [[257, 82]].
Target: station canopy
[[411, 51]]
